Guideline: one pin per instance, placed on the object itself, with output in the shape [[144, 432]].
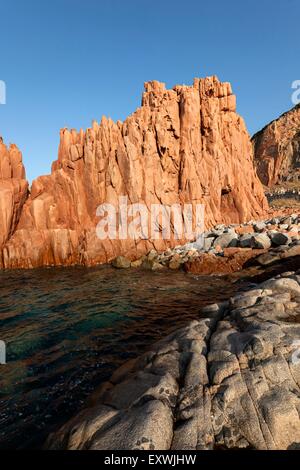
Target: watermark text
[[158, 221], [2, 92], [2, 352], [296, 93], [296, 353]]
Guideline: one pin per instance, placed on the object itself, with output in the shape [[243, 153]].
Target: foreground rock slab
[[228, 380]]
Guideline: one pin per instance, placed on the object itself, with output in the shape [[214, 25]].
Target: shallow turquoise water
[[67, 329]]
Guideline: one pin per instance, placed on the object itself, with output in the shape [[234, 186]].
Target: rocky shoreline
[[229, 380], [227, 248]]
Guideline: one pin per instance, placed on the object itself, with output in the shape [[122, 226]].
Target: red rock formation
[[13, 190], [185, 145], [234, 260], [277, 149]]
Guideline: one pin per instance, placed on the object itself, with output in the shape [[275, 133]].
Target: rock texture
[[185, 145], [13, 190], [233, 260], [277, 149], [229, 380]]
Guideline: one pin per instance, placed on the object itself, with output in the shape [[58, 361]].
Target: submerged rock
[[174, 264], [137, 263], [121, 262], [151, 264]]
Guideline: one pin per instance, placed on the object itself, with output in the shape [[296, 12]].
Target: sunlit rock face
[[185, 145], [13, 190], [277, 149]]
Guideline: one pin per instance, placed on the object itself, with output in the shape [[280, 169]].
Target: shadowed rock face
[[228, 380], [277, 149], [185, 145], [13, 190]]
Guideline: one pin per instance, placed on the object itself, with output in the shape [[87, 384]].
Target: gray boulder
[[152, 264], [207, 243], [260, 240], [287, 220], [279, 238], [226, 239], [245, 240], [259, 227]]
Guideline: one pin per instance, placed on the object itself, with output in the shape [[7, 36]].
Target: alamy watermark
[[296, 353], [296, 93], [2, 352], [158, 221], [2, 92]]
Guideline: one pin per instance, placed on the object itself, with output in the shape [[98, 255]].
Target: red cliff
[[277, 149], [185, 145]]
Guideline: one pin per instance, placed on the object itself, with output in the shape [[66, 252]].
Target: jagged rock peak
[[13, 190], [11, 164]]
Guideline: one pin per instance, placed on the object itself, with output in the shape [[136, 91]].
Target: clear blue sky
[[67, 62]]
